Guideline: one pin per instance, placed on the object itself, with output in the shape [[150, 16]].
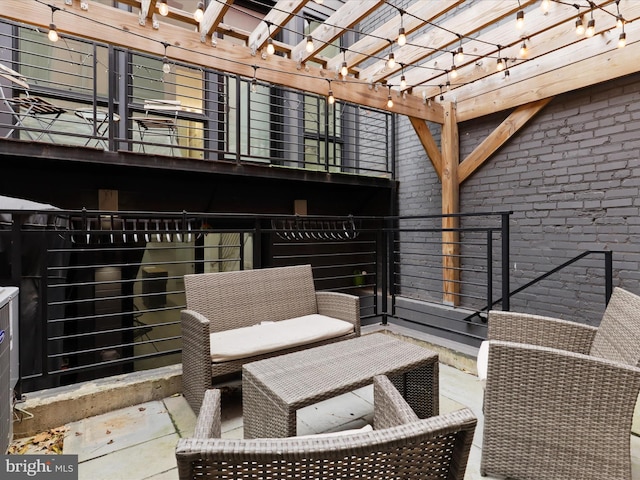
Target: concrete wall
[[571, 178]]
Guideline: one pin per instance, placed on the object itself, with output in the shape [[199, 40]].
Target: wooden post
[[450, 205]]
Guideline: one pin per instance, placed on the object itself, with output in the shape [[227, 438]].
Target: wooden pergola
[[557, 60]]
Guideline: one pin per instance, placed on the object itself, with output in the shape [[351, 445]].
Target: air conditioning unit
[[9, 362]]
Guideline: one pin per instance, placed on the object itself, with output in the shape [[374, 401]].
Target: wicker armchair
[[219, 302], [400, 447], [560, 396]]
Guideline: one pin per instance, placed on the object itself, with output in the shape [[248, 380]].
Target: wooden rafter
[[512, 124]]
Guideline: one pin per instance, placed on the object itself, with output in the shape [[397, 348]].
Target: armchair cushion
[[267, 337]]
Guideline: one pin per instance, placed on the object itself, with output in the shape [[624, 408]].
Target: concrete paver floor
[[137, 443]]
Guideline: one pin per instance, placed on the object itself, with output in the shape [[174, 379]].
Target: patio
[[138, 442]]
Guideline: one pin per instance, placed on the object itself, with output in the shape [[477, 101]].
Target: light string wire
[[353, 80]]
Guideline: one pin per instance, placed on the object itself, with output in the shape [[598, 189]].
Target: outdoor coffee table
[[275, 388]]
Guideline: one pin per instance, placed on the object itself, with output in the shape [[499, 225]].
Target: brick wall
[[571, 177]]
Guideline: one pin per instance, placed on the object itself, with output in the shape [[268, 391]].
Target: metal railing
[[94, 95], [101, 292]]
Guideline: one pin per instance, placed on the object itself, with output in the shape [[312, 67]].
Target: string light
[[166, 66], [460, 54], [523, 49], [310, 47], [520, 20], [622, 40], [53, 32], [254, 81], [270, 48], [544, 6], [579, 27], [500, 63], [330, 98], [402, 36], [403, 80], [391, 62], [389, 99], [344, 70], [441, 95], [163, 8], [198, 15], [591, 28]]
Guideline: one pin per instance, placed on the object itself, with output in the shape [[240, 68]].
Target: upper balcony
[[105, 99]]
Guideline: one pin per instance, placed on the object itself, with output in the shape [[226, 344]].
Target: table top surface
[[335, 366]]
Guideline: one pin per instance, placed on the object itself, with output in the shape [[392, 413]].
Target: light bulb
[[500, 65], [591, 28], [309, 46], [389, 102], [454, 71], [506, 74], [344, 71], [166, 66], [254, 85], [270, 48], [403, 82], [579, 27], [619, 21], [402, 37], [392, 60], [198, 15], [331, 98], [520, 20], [53, 33], [459, 54], [523, 50], [622, 40], [545, 5], [163, 8]]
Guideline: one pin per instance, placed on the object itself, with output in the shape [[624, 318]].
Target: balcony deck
[[138, 442]]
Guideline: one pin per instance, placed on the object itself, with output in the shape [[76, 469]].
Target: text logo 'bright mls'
[[37, 467]]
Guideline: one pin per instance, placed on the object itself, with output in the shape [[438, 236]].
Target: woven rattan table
[[275, 388]]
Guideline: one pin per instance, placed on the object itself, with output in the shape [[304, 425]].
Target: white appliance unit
[[9, 362]]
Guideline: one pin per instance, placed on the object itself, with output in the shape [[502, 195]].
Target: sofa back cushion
[[247, 297]]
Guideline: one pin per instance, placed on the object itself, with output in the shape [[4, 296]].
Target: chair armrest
[[195, 331], [341, 306], [539, 330], [209, 423], [389, 408], [543, 403], [196, 357]]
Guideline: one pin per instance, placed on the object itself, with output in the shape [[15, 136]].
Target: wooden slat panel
[[345, 17], [227, 57], [417, 16], [279, 15]]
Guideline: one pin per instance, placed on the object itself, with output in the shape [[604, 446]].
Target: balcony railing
[[98, 96], [101, 292]]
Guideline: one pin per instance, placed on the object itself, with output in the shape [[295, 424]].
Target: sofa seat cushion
[[268, 337]]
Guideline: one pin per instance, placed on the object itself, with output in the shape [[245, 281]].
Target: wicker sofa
[[232, 318], [401, 446]]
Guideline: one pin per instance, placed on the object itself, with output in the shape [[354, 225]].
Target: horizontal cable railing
[[93, 95], [101, 292]]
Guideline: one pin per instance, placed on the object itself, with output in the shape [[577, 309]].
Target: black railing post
[[489, 269], [506, 288], [608, 275], [386, 269]]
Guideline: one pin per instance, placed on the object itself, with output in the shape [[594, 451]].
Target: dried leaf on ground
[[48, 442]]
